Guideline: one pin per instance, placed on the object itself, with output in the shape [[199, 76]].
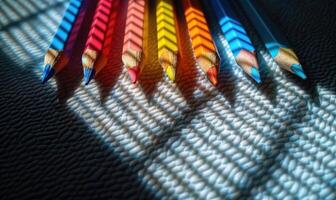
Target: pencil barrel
[[133, 38], [201, 39], [166, 34], [62, 34]]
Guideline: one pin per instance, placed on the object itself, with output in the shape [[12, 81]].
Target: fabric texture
[[162, 140]]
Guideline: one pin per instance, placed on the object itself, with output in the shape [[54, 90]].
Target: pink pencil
[[96, 38], [133, 40]]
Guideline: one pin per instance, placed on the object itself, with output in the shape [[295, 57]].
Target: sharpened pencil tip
[[133, 73], [170, 70], [212, 75], [255, 74], [47, 72], [87, 75], [297, 69], [248, 61]]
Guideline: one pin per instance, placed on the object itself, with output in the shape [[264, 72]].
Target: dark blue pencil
[[275, 42]]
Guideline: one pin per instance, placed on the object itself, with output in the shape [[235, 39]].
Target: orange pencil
[[133, 40], [202, 42]]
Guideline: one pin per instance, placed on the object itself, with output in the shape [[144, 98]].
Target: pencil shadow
[[271, 160], [151, 71], [48, 152], [226, 79], [110, 73], [186, 72], [69, 79], [268, 85], [226, 84]]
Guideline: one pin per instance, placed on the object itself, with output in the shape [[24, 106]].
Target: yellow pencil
[[167, 40]]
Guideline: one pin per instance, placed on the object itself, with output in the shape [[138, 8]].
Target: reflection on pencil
[[167, 40], [276, 44], [96, 38], [133, 40], [202, 42], [239, 42], [59, 41]]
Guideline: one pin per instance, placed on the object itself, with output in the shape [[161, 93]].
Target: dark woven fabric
[[158, 140]]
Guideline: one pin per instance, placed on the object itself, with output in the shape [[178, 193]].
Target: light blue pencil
[[59, 41], [275, 42], [239, 42]]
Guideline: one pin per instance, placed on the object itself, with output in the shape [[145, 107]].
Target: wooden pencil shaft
[[51, 57], [89, 58]]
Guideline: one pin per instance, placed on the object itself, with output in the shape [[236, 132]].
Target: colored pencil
[[133, 40], [167, 40], [96, 38], [59, 41], [276, 43], [202, 43], [239, 42]]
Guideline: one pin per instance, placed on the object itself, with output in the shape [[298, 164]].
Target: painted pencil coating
[[275, 42], [133, 40], [201, 39], [167, 40], [239, 42], [96, 38], [59, 41]]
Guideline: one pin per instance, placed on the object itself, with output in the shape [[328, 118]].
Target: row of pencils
[[205, 51]]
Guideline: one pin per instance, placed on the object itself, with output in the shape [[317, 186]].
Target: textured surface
[[113, 140]]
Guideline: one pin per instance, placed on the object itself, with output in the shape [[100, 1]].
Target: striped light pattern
[[215, 152]]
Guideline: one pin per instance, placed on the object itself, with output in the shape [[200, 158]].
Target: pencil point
[[170, 72], [248, 61], [133, 73], [212, 75], [46, 73], [87, 75], [297, 69], [255, 74]]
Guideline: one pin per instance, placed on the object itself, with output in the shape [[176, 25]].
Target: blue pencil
[[276, 44], [239, 42], [59, 41]]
